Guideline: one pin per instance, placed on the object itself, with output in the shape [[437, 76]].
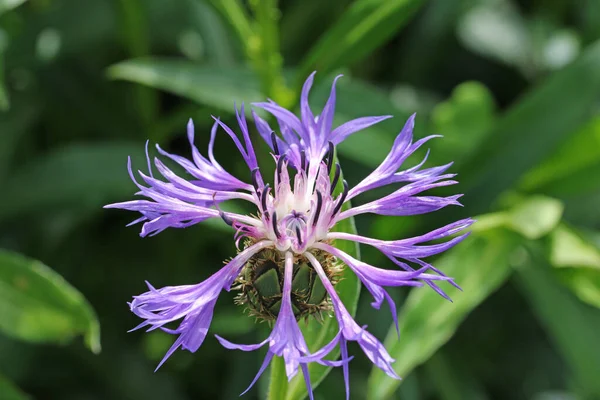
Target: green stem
[[134, 30], [278, 384], [263, 51]]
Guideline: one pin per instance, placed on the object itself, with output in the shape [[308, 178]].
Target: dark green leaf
[[9, 391], [79, 176], [38, 305], [533, 128], [584, 282], [568, 170], [363, 27], [571, 325], [480, 265]]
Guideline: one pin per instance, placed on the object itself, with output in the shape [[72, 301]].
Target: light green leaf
[[578, 262], [9, 391], [7, 5], [532, 217], [319, 334], [571, 249], [219, 87], [584, 282], [363, 27], [480, 265], [38, 305], [533, 128], [571, 325], [78, 176], [463, 120], [536, 216]]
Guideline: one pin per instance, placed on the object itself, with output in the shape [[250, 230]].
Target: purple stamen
[[342, 198], [274, 142], [318, 208], [336, 177], [274, 223]]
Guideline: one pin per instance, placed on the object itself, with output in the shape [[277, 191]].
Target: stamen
[[303, 160], [298, 235], [280, 162], [255, 172], [274, 223], [274, 142], [225, 218], [330, 158], [318, 209], [263, 197], [342, 198], [336, 177]]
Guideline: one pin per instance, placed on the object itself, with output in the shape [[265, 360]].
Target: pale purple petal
[[340, 133]]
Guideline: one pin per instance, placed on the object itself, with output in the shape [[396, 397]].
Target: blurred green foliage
[[512, 85]]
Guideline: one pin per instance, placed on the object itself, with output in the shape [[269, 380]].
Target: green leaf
[[7, 5], [235, 14], [463, 120], [15, 126], [571, 325], [567, 171], [79, 176], [532, 217], [4, 97], [9, 391], [364, 26], [319, 334], [536, 216], [584, 282], [452, 381], [38, 305], [578, 263], [533, 128], [480, 265], [219, 87], [569, 248]]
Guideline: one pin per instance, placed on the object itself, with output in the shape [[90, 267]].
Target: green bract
[[261, 285]]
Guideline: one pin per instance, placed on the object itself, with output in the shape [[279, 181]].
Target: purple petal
[[340, 133]]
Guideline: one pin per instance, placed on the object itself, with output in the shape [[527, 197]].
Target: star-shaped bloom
[[289, 264]]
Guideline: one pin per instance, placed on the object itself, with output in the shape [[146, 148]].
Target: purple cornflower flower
[[288, 266]]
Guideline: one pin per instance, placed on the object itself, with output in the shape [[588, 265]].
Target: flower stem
[[278, 384], [263, 51]]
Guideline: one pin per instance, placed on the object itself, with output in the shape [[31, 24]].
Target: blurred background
[[513, 85]]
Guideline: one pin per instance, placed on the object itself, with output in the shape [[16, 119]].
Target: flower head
[[288, 266]]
